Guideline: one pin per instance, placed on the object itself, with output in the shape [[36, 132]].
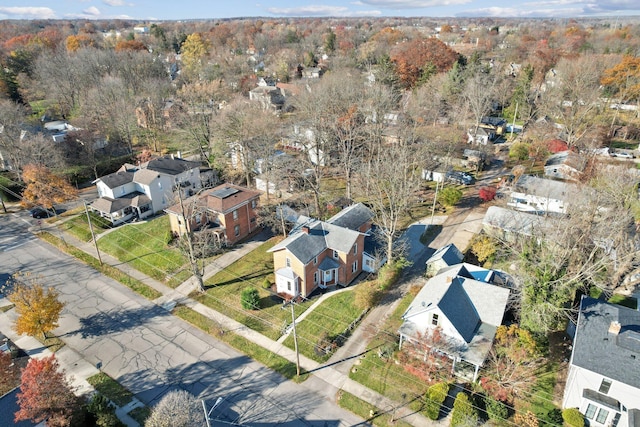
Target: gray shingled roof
[[457, 306], [352, 217], [321, 235], [542, 187], [450, 254], [109, 205], [169, 166], [603, 352], [117, 179]]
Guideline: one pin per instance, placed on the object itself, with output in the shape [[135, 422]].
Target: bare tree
[[178, 408], [478, 94]]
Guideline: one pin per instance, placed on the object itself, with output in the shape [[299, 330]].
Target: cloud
[[319, 11], [28, 12], [113, 2], [410, 4], [520, 12], [92, 11]]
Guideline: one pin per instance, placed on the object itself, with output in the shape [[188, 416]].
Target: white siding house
[[604, 371]]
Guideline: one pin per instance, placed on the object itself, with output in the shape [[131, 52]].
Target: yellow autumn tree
[[45, 188], [192, 52], [38, 308], [624, 79]]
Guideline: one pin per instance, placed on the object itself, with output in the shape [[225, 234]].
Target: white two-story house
[[604, 371], [140, 191]]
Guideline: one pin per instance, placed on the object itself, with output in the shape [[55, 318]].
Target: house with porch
[[229, 211], [142, 190], [464, 305], [604, 370], [565, 165], [541, 196], [319, 254]]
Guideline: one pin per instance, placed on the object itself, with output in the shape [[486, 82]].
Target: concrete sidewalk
[[76, 368], [327, 379]]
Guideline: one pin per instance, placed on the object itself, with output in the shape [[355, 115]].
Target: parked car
[[622, 154], [42, 213], [461, 178]]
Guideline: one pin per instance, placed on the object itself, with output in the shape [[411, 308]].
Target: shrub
[[483, 248], [519, 151], [487, 194], [572, 417], [464, 413], [496, 410], [367, 294], [436, 394], [250, 299], [449, 196], [266, 283]]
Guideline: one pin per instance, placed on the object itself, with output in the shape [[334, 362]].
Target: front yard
[[145, 246]]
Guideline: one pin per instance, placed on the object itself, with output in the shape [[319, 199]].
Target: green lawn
[[326, 321], [367, 411], [144, 247], [224, 289], [624, 301], [384, 375], [110, 388], [79, 227]]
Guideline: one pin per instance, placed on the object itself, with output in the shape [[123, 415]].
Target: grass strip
[[367, 411], [109, 271], [51, 342], [110, 388], [271, 360]]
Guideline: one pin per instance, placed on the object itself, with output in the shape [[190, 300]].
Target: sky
[[150, 10]]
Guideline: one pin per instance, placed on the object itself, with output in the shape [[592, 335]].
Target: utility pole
[[295, 335], [207, 414], [93, 235]]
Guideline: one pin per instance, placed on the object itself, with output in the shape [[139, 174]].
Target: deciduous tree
[[38, 308], [418, 59], [177, 408], [45, 188], [45, 394]]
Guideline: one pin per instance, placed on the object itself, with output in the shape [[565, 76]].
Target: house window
[[315, 260], [236, 230], [235, 214], [605, 385], [355, 249], [316, 278], [354, 267], [591, 411], [289, 286], [335, 254], [434, 320], [254, 204], [602, 416], [288, 262]]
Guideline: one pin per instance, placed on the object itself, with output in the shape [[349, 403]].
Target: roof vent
[[614, 327], [449, 279]]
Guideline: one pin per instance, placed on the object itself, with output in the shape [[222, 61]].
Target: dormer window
[[434, 319], [605, 385]]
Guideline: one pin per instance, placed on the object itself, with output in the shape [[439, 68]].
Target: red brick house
[[230, 209]]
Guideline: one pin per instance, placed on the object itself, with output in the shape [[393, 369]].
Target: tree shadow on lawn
[[260, 274]]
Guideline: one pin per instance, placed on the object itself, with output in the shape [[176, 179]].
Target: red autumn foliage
[[130, 45], [556, 146], [44, 394], [487, 194]]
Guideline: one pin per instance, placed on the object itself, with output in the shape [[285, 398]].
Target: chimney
[[449, 279], [305, 229], [614, 327]]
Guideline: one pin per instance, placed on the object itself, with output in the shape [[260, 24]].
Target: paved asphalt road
[[150, 352]]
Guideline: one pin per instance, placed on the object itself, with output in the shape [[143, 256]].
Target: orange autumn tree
[[417, 59], [45, 188], [624, 79], [38, 308], [45, 394]]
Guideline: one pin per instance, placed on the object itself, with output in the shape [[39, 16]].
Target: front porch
[[118, 211]]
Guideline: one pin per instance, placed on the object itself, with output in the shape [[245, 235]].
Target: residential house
[[541, 196], [269, 97], [565, 165], [507, 224], [463, 304], [229, 210], [604, 370], [480, 136], [140, 191], [318, 254], [446, 256], [312, 72]]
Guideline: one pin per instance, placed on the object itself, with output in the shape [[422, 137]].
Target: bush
[[496, 410], [367, 294], [436, 394], [449, 196], [464, 413], [483, 248], [103, 412], [250, 299], [519, 151], [487, 194], [572, 417]]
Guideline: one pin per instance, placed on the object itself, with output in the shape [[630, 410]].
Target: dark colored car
[[42, 213]]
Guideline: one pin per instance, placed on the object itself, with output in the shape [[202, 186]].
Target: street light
[[208, 414]]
